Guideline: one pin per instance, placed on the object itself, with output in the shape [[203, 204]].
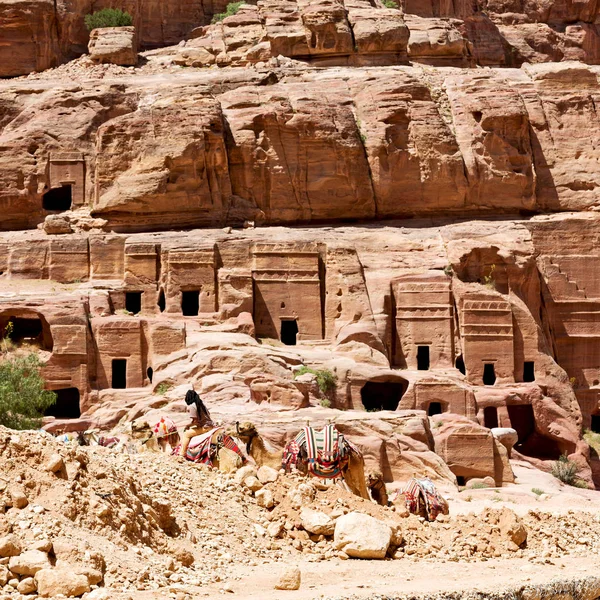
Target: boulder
[[316, 522], [10, 545], [242, 473], [302, 495], [29, 562], [289, 580], [507, 436], [18, 496], [116, 45], [264, 498], [485, 482], [52, 582], [26, 586], [57, 224], [252, 483], [362, 536], [267, 474], [511, 527], [4, 575], [55, 464]]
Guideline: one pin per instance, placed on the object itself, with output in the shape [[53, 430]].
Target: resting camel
[[225, 459], [353, 473], [376, 486]]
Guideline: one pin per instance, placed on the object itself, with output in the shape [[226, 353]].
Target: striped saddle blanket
[[422, 497], [204, 448], [325, 453]]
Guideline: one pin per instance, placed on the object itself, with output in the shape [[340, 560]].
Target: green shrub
[[593, 439], [565, 470], [231, 10], [537, 491], [325, 378], [23, 399], [479, 485], [107, 17], [162, 388], [390, 4], [488, 280], [326, 403]]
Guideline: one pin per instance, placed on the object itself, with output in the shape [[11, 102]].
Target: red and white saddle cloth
[[326, 452]]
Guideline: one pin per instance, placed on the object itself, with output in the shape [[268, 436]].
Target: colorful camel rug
[[422, 494], [205, 448], [326, 452]]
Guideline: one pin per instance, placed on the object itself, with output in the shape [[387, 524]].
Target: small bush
[[107, 17], [488, 280], [448, 270], [325, 378], [537, 491], [23, 399], [479, 485], [593, 439], [162, 388], [565, 470], [390, 4], [231, 10], [326, 403]]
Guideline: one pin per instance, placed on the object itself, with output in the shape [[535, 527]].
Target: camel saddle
[[325, 452]]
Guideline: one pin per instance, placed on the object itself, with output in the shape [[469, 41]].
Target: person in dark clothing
[[200, 421]]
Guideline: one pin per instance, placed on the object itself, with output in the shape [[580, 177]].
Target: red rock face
[[312, 128]]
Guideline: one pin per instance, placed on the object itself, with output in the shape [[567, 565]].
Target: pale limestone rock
[[289, 580], [316, 522], [55, 464], [4, 575], [264, 498], [302, 494], [512, 527], [244, 472], [29, 562], [362, 536], [52, 582], [267, 474], [10, 545], [253, 484], [27, 586]]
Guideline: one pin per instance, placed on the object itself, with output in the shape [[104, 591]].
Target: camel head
[[246, 432], [141, 429], [374, 478]]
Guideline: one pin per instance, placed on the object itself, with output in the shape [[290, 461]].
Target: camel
[[376, 486], [353, 473], [225, 459]]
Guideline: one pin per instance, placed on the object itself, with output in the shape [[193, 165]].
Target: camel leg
[[354, 476]]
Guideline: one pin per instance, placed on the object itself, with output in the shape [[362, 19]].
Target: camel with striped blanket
[[325, 454]]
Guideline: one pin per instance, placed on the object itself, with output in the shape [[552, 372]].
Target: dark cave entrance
[[490, 417], [595, 426], [489, 374], [528, 371], [435, 408], [190, 303], [119, 373], [381, 395], [67, 404], [289, 331], [133, 302], [530, 442], [58, 199], [423, 358], [460, 364], [150, 373], [162, 304]]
